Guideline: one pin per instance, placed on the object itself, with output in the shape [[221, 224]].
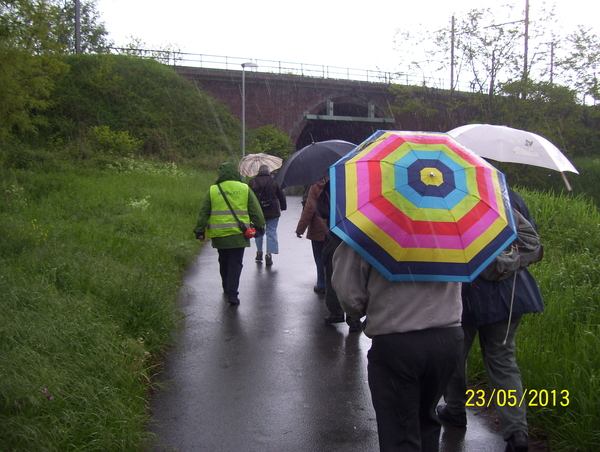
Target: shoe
[[317, 289], [355, 327], [233, 300], [268, 260], [258, 257], [517, 442], [457, 420], [334, 319]]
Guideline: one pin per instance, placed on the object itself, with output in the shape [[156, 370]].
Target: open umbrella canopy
[[250, 164], [506, 144], [311, 163], [419, 206]]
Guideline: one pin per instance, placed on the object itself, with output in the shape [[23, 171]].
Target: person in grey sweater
[[417, 341]]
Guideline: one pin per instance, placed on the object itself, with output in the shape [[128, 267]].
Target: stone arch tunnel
[[307, 108]]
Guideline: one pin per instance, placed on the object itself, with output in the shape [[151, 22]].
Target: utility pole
[[452, 57], [552, 62], [77, 26], [525, 68]]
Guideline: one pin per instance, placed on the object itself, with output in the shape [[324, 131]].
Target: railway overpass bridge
[[307, 108]]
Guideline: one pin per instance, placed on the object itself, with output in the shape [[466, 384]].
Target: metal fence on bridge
[[173, 58]]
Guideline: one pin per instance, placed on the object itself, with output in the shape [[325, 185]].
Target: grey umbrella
[[310, 164]]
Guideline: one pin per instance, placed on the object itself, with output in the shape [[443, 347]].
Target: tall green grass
[[560, 348], [91, 263]]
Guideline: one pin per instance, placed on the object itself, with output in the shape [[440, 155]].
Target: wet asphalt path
[[269, 375]]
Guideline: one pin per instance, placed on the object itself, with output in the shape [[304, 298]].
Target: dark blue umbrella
[[311, 163]]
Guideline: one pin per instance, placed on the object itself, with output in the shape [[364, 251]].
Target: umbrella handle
[[566, 181]]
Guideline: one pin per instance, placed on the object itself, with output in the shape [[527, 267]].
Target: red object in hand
[[250, 233]]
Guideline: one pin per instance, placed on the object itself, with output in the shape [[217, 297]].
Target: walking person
[[416, 344], [273, 202], [218, 222], [487, 312], [317, 230], [332, 241]]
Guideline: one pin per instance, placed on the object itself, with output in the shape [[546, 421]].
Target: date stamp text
[[530, 397]]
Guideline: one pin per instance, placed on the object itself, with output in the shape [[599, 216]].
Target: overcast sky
[[325, 32]]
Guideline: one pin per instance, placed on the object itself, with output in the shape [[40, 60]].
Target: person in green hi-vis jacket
[[217, 222]]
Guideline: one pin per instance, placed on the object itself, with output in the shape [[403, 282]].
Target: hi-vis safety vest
[[222, 223]]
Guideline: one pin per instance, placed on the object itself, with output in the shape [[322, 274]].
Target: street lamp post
[[244, 66]]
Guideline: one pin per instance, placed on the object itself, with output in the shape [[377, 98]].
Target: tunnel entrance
[[342, 120]]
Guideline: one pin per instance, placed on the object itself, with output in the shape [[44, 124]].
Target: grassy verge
[[90, 266], [559, 350], [91, 263]]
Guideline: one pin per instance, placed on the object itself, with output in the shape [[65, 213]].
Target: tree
[[33, 36], [169, 54], [93, 32], [583, 62], [28, 63], [486, 47], [269, 140]]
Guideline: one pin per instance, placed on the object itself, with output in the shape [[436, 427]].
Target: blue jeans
[[271, 233]]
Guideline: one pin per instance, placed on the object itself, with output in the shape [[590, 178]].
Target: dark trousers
[[407, 374], [332, 301], [230, 267], [317, 248]]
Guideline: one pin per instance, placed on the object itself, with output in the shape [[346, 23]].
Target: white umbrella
[[505, 144]]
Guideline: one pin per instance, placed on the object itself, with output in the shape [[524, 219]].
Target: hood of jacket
[[263, 170], [228, 171]]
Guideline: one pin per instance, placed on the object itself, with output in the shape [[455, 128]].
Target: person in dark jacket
[[317, 230], [487, 312], [216, 222], [332, 241], [265, 187]]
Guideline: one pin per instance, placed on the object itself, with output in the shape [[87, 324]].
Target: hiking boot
[[317, 289], [233, 300], [457, 420], [334, 319], [268, 260], [517, 442], [258, 257], [355, 327]]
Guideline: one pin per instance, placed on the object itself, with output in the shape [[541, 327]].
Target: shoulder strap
[[228, 204]]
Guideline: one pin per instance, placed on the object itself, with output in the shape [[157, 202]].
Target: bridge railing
[[286, 67]]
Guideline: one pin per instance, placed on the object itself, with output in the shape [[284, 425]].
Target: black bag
[[524, 251], [266, 202]]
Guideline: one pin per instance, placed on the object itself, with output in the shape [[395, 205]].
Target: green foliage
[[269, 140], [102, 139], [417, 104], [28, 65], [172, 118], [91, 267], [33, 34], [583, 62], [93, 33], [558, 349], [548, 109]]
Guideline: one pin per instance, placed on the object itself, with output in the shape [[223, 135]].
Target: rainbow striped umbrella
[[419, 206]]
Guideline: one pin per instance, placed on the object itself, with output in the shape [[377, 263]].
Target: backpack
[[264, 198], [524, 251]]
